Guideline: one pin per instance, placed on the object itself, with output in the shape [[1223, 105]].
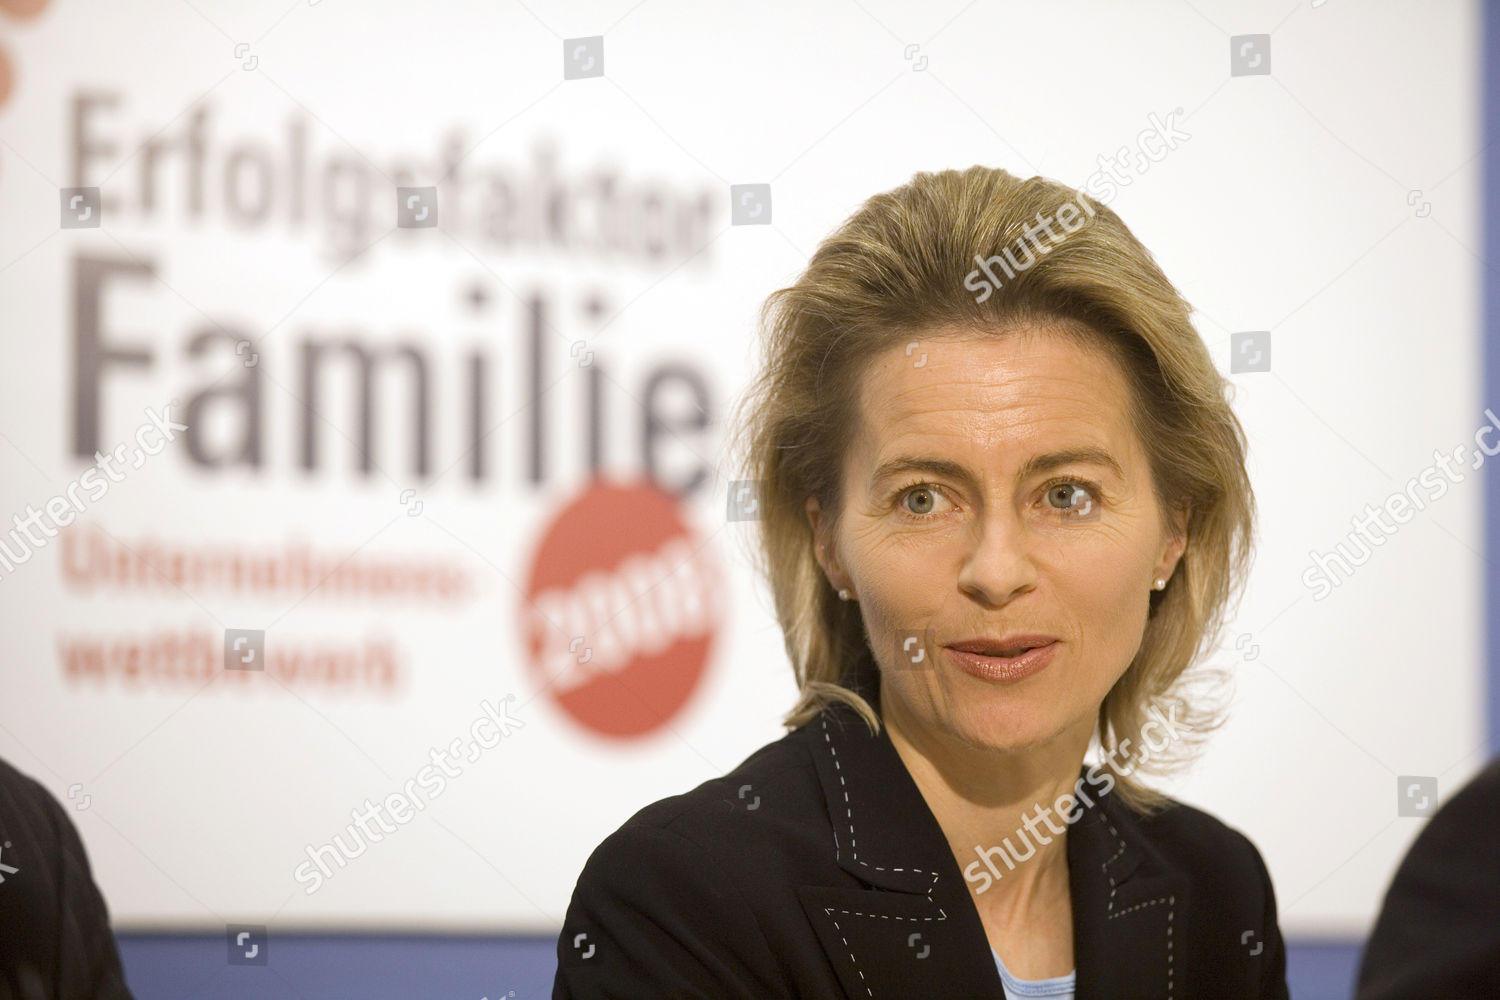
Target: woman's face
[[996, 540]]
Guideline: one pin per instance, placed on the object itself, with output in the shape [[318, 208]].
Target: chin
[[1014, 727], [1006, 721]]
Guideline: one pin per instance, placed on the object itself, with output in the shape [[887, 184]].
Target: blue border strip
[[401, 966], [310, 966], [1490, 341]]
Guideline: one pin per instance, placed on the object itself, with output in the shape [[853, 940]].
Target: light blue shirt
[[1057, 988]]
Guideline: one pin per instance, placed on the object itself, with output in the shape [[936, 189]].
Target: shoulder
[[21, 787], [1436, 932], [681, 896], [771, 797], [35, 813], [56, 918], [1198, 840], [37, 824], [1476, 802], [1228, 913], [1226, 880], [1449, 834], [1223, 865]]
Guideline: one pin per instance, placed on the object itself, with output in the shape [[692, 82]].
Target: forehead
[[1023, 389]]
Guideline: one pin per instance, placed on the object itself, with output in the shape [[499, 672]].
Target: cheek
[[900, 573], [1109, 609], [871, 535], [1102, 581], [900, 595], [896, 606], [1119, 620]]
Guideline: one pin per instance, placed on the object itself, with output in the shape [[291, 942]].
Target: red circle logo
[[623, 601]]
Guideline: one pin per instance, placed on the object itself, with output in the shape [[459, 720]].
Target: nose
[[999, 566]]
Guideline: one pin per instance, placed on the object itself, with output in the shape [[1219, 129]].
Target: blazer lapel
[[918, 932], [912, 927], [1126, 901]]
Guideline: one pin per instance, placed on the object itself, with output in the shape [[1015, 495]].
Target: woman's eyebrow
[[1034, 466]]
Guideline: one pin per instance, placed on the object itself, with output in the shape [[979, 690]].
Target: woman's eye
[[1075, 499], [920, 500]]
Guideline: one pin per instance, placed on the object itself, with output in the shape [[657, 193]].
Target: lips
[[1001, 669], [1006, 646]]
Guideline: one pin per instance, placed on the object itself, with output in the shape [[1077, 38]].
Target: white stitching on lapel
[[1171, 901], [854, 856]]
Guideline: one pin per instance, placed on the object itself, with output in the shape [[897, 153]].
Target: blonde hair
[[895, 269]]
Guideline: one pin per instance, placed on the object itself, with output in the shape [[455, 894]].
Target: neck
[[998, 808]]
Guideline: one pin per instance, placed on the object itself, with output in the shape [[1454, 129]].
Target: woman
[[1003, 508]]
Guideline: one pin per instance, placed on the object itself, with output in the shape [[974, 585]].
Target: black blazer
[[815, 869], [55, 941]]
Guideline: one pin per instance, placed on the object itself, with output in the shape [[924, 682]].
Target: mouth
[[1011, 653], [1007, 648], [1012, 660]]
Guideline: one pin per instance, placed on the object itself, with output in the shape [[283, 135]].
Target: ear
[[1176, 542], [823, 549]]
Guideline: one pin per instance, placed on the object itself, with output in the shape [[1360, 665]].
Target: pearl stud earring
[[1160, 584], [843, 595]]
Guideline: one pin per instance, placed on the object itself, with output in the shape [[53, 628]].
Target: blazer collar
[[921, 928]]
